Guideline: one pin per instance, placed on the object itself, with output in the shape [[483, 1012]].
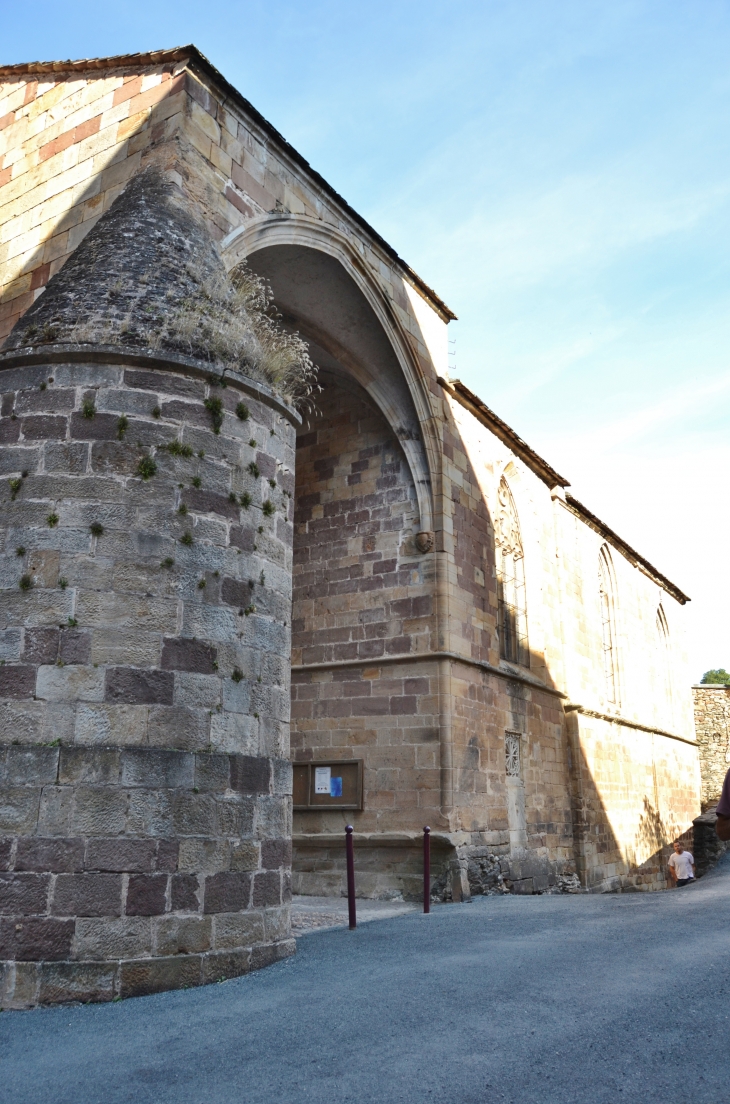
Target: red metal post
[[350, 877], [426, 869]]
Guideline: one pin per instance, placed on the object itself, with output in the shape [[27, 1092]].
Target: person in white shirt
[[681, 865]]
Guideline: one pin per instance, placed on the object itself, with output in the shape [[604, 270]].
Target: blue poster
[[335, 787]]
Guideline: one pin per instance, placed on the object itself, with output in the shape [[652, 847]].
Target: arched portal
[[363, 577], [324, 290]]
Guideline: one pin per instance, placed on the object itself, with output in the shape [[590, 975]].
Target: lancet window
[[608, 625], [664, 658], [512, 612]]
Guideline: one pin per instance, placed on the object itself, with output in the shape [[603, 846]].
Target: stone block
[[235, 815], [234, 733], [227, 892], [29, 766], [112, 938], [267, 889], [41, 427], [276, 853], [102, 427], [41, 645], [120, 855], [10, 643], [17, 680], [227, 964], [18, 810], [19, 983], [204, 856], [55, 855], [212, 773], [245, 855], [179, 727], [6, 851], [277, 924], [63, 982], [131, 685], [193, 814], [273, 817], [99, 810], [107, 724], [250, 774], [267, 953], [185, 893], [23, 894], [55, 812], [36, 939], [146, 894], [87, 895], [96, 766], [122, 647], [154, 768], [182, 934], [180, 654], [75, 647], [197, 691], [144, 976], [70, 684], [168, 852]]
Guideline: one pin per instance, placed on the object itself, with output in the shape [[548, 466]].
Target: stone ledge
[[27, 984], [379, 839], [117, 354]]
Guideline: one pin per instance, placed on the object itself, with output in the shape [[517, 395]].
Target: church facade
[[382, 608]]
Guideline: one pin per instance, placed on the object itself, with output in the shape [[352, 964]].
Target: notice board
[[328, 784]]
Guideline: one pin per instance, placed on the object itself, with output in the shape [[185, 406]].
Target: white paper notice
[[322, 776]]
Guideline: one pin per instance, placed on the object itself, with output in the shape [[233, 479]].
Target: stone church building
[[234, 618]]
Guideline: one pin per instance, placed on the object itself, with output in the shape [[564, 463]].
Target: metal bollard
[[426, 869], [350, 876]]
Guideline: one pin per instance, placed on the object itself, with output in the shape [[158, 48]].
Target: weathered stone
[[146, 894], [62, 982], [87, 895], [55, 855]]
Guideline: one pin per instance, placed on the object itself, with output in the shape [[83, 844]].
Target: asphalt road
[[538, 999]]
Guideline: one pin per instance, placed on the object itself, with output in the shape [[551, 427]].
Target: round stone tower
[[145, 567]]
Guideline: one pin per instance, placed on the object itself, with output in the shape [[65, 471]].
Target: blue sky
[[560, 174]]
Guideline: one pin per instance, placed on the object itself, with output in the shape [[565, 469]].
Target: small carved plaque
[[512, 754]]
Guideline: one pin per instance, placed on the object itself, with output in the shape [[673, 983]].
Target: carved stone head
[[425, 541]]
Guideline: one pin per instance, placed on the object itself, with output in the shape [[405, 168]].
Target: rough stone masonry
[[146, 560]]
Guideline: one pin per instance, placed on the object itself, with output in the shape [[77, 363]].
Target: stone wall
[[145, 808], [712, 725]]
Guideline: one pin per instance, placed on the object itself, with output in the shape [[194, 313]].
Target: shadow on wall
[[152, 131]]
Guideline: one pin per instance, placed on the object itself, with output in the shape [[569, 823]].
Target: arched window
[[512, 626], [608, 624], [665, 663]]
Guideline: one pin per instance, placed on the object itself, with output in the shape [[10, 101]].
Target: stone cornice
[[505, 433], [579, 510], [146, 358], [418, 657], [625, 722]]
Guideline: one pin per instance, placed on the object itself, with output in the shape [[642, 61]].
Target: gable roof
[[194, 59]]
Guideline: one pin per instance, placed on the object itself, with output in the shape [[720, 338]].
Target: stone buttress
[[145, 808]]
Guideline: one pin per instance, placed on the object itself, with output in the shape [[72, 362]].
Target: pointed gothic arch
[[609, 635], [666, 706], [510, 556]]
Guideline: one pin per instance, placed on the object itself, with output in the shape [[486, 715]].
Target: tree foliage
[[720, 677]]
